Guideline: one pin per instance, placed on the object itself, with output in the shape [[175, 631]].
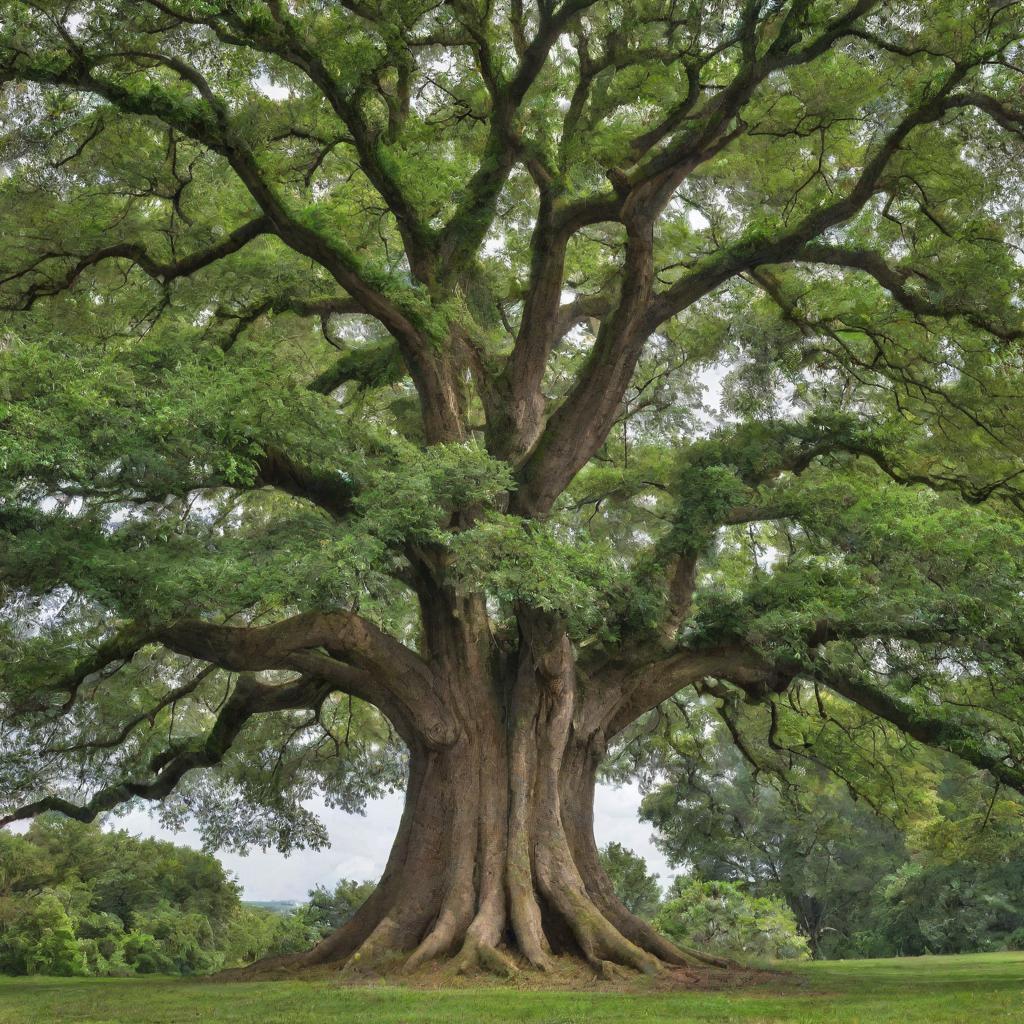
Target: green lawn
[[983, 989]]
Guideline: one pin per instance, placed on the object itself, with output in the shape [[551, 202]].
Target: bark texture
[[495, 862]]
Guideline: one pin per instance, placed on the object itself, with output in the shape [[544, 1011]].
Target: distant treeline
[[75, 900], [833, 881]]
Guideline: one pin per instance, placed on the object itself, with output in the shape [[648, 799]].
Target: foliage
[[39, 938], [637, 889], [254, 933], [75, 900], [329, 909], [946, 908], [943, 877], [720, 917]]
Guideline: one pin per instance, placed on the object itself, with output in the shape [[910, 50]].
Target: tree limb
[[390, 671], [925, 727], [248, 698], [163, 272]]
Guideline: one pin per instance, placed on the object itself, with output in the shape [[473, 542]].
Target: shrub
[[720, 917]]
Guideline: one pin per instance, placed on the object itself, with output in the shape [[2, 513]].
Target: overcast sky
[[360, 845]]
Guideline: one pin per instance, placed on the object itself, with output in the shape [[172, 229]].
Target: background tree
[[922, 857], [634, 885], [721, 916], [75, 900], [329, 909], [355, 353]]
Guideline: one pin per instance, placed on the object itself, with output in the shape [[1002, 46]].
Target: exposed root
[[268, 967], [526, 918], [441, 938], [709, 959], [648, 938], [478, 954], [598, 938], [380, 952]]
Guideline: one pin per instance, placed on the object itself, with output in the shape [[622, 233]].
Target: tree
[[798, 835], [43, 940], [76, 899], [923, 856], [255, 933], [327, 910], [633, 884], [353, 359], [722, 917]]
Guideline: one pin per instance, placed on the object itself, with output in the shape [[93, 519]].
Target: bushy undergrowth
[[78, 901]]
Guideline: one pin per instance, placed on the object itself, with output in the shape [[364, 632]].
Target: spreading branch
[[249, 697], [161, 271]]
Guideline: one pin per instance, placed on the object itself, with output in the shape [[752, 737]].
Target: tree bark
[[495, 861]]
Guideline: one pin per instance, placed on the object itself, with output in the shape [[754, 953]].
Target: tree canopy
[[397, 389]]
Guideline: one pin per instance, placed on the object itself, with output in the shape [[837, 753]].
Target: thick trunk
[[495, 861], [498, 867]]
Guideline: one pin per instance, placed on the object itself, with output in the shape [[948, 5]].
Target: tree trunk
[[495, 861]]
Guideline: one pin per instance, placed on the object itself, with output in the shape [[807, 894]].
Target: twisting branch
[[626, 690], [206, 121], [284, 38], [163, 272], [579, 426], [249, 697], [116, 650], [108, 742], [749, 252], [651, 185], [373, 665], [894, 280], [468, 226], [926, 727]]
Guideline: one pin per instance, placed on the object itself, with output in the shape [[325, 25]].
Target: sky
[[360, 844]]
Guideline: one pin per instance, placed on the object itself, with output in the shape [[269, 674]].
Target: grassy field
[[983, 989]]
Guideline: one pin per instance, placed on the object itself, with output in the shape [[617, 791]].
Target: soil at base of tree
[[567, 974]]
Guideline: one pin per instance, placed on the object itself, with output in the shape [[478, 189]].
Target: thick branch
[[925, 727], [391, 674], [625, 691], [579, 426], [164, 272], [894, 280], [328, 490], [116, 649], [206, 121], [248, 698]]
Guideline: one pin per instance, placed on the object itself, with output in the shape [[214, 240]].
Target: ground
[[926, 990]]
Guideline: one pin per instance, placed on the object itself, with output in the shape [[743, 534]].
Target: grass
[[980, 989]]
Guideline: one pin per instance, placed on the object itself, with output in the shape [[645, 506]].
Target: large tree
[[354, 352]]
